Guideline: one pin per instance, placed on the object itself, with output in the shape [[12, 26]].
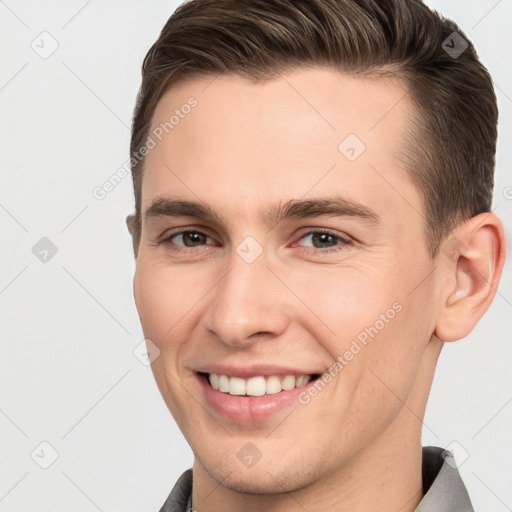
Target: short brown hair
[[451, 150]]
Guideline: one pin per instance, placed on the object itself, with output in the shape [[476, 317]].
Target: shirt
[[443, 488]]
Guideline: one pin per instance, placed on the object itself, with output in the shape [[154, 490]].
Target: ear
[[473, 260], [130, 223]]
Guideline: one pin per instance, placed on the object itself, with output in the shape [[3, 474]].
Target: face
[[282, 237]]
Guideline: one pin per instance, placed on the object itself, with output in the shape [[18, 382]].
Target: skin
[[246, 147]]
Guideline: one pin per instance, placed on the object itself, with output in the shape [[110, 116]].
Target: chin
[[263, 478]]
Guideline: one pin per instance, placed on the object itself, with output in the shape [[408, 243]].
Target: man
[[313, 185]]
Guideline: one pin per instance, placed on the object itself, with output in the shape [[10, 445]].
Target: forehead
[[239, 144]]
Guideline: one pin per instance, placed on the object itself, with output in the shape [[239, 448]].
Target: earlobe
[[473, 260]]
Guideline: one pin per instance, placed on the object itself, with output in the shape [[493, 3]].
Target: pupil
[[193, 238], [324, 238]]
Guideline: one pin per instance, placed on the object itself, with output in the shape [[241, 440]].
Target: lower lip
[[249, 408]]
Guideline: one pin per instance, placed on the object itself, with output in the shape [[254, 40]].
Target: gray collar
[[443, 488]]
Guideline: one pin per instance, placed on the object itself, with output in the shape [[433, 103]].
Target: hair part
[[450, 151]]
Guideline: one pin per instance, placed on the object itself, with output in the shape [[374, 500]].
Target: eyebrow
[[335, 206]]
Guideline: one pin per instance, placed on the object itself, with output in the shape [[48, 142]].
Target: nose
[[250, 303]]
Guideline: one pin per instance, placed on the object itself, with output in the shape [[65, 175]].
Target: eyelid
[[342, 236], [165, 237], [168, 233]]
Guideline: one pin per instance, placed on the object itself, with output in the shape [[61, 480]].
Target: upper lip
[[253, 370]]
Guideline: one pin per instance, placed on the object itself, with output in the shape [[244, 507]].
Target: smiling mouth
[[258, 385]]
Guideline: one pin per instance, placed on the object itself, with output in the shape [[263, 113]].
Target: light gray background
[[69, 326]]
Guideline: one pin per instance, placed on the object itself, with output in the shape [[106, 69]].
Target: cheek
[[345, 300], [162, 304], [390, 359], [369, 319], [156, 300], [168, 300]]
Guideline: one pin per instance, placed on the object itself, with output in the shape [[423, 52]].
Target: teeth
[[303, 379], [256, 386], [223, 383], [288, 382], [236, 386], [214, 380], [272, 385]]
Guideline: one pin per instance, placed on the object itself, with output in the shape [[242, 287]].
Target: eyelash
[[315, 250]]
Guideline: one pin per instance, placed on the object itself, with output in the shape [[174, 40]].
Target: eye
[[187, 238], [324, 241], [319, 241]]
